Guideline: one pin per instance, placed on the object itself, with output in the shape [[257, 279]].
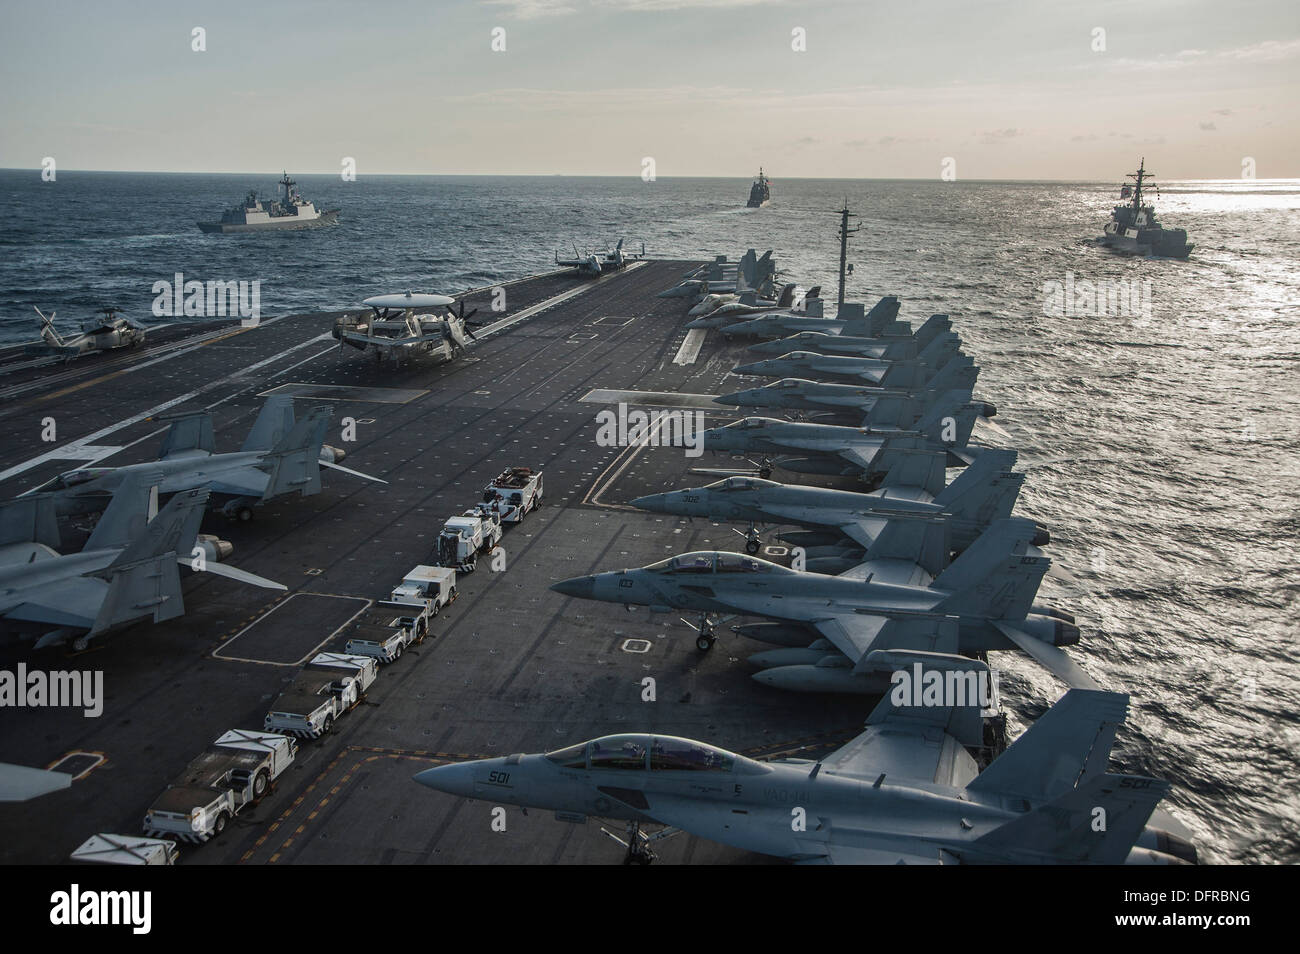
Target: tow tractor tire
[[261, 782], [704, 643], [219, 825], [244, 514], [329, 725], [437, 607], [752, 546]]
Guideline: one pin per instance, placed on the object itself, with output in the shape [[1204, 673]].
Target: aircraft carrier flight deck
[[510, 666]]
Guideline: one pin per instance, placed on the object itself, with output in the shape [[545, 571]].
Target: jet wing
[[875, 855], [241, 482], [860, 455], [901, 748], [72, 602], [1051, 658], [18, 783], [857, 634]]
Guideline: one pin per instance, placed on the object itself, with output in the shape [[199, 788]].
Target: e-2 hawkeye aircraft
[[400, 329], [904, 791], [281, 455]]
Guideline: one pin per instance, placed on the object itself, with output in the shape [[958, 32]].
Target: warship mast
[[845, 232]]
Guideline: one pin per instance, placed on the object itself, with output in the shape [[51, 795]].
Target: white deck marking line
[[499, 326], [366, 604], [84, 449], [690, 349]]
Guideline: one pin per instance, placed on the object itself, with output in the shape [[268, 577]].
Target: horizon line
[[598, 175]]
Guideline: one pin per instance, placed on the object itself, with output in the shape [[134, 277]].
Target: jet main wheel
[[752, 546], [765, 472], [704, 642], [244, 514]]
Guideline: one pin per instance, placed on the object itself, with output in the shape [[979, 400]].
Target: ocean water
[[1161, 430]]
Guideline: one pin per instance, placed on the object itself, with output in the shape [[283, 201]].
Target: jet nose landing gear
[[638, 843]]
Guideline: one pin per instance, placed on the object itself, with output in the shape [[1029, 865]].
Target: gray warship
[[1133, 227], [760, 193], [290, 211]]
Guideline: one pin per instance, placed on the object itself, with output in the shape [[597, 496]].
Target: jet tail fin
[[787, 296], [940, 350], [295, 461], [959, 374], [274, 421], [134, 504], [144, 581], [950, 420], [933, 326], [30, 519], [997, 576], [985, 491], [870, 324], [188, 432], [1097, 823], [1069, 745]]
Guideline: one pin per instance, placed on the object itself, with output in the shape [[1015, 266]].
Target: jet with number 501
[[905, 791]]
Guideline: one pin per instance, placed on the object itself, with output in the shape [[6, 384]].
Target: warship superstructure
[[760, 193], [288, 211], [1133, 227]]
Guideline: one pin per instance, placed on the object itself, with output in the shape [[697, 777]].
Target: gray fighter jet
[[836, 367], [906, 790], [890, 347], [852, 319], [959, 374], [849, 451], [128, 571], [114, 330], [985, 491], [730, 307], [983, 601], [280, 456]]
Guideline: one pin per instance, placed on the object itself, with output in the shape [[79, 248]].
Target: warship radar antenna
[[845, 231]]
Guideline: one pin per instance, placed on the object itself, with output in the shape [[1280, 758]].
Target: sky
[[1005, 89]]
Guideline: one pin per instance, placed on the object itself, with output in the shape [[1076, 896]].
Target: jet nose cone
[[733, 398], [654, 502], [580, 586], [457, 779], [755, 368]]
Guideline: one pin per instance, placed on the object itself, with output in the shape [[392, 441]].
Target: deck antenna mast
[[845, 231]]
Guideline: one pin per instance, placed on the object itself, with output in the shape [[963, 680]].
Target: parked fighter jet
[[959, 374], [983, 601], [852, 319], [128, 570], [751, 273], [887, 346], [985, 491], [279, 456], [591, 265], [720, 309], [904, 791], [112, 331], [396, 332], [850, 450], [848, 368]]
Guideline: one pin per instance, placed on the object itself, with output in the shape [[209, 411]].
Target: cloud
[[1208, 127], [996, 136], [534, 9], [1267, 51]]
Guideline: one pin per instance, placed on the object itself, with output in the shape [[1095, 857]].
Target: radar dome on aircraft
[[408, 300]]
